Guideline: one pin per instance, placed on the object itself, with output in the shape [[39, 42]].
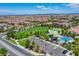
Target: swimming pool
[[65, 39]]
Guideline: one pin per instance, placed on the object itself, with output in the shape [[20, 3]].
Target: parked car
[[66, 52]]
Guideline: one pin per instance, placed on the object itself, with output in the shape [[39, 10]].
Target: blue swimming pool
[[65, 38]]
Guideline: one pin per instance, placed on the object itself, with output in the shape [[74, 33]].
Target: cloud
[[73, 5], [42, 7]]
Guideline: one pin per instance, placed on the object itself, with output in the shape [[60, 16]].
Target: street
[[14, 49]]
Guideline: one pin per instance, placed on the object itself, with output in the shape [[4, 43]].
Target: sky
[[38, 8]]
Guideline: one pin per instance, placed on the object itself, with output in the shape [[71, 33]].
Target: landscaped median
[[11, 40]]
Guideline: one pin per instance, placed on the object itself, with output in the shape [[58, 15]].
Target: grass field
[[30, 32]]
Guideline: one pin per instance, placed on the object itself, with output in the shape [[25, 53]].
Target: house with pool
[[56, 37]]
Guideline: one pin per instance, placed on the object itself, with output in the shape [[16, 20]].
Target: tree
[[46, 37], [33, 43], [3, 51], [74, 48], [77, 41], [32, 46], [11, 32], [27, 43], [69, 46]]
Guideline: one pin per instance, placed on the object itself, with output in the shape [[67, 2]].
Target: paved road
[[14, 49], [50, 48], [9, 52]]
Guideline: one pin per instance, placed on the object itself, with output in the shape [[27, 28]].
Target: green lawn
[[22, 42], [30, 32]]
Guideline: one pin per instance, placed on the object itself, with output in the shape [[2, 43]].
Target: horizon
[[38, 8]]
